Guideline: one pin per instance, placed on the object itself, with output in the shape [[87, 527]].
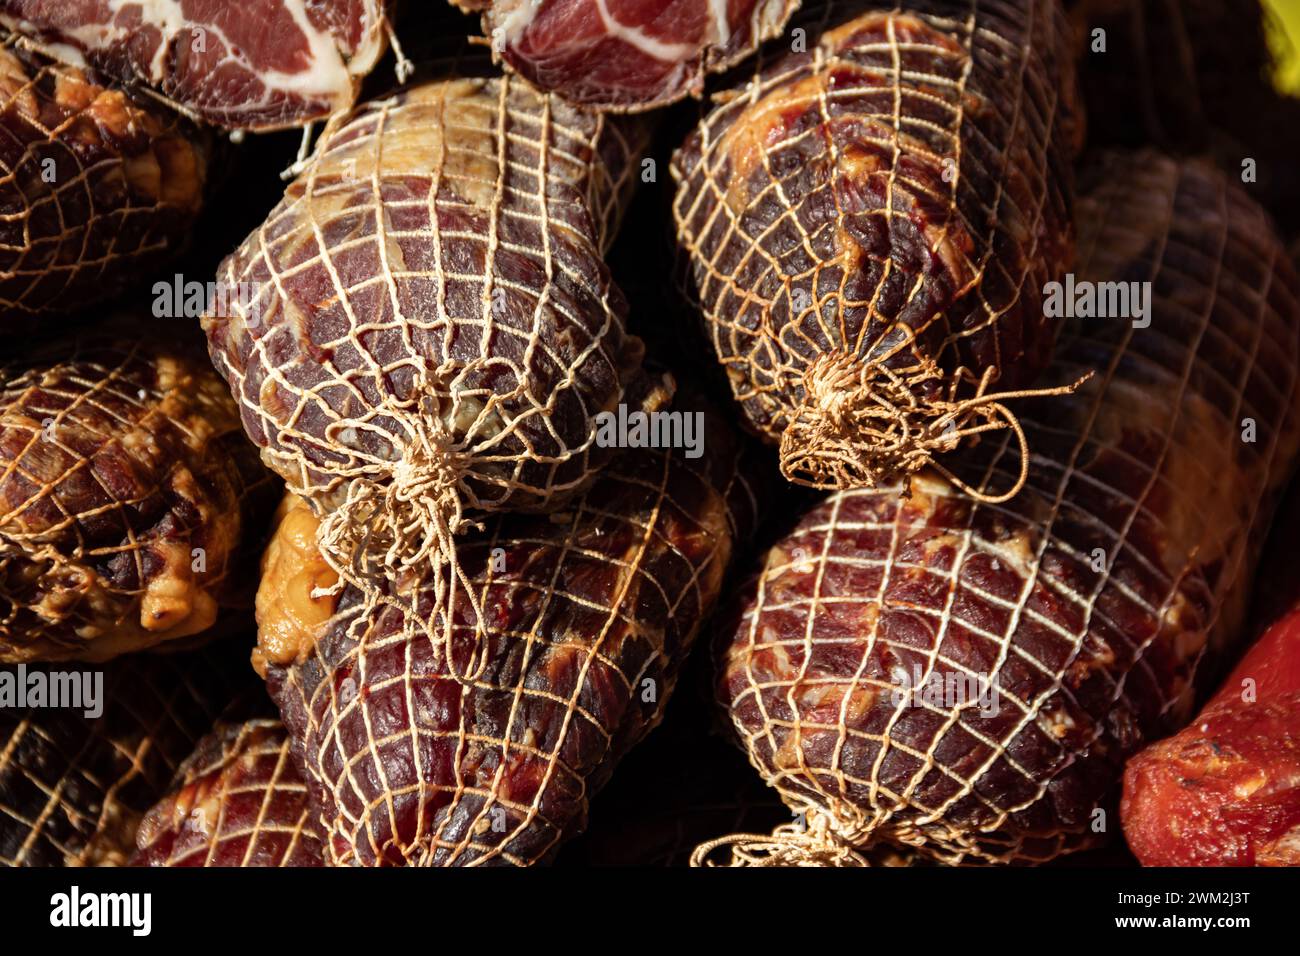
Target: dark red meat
[[592, 612], [252, 64], [1087, 604], [626, 54], [238, 800], [97, 189], [870, 222]]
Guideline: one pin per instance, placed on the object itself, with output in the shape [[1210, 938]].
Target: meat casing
[[96, 189], [424, 323], [867, 217], [257, 64], [593, 611], [626, 54], [1088, 601], [238, 800], [128, 499]]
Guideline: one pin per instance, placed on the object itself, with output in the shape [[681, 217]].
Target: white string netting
[[238, 800], [97, 190], [126, 493], [72, 788], [870, 222], [594, 610], [429, 330], [1065, 628]]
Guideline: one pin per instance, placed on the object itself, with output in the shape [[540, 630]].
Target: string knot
[[862, 424], [818, 844]]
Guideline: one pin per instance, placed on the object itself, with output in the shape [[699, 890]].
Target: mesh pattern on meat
[[431, 329], [626, 54], [72, 789], [1088, 601], [870, 223], [238, 800], [96, 189], [126, 492], [257, 64], [592, 613]]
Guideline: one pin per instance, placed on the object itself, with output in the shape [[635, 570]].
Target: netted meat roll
[[128, 494], [870, 223], [97, 188], [969, 678], [238, 800], [592, 612], [425, 330], [73, 787]]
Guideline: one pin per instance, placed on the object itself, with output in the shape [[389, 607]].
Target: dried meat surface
[[1086, 604], [128, 497], [255, 64], [97, 189], [626, 54], [427, 329], [73, 788], [870, 222], [593, 610], [238, 800]]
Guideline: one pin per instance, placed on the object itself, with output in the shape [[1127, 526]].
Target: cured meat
[[73, 788], [96, 189], [626, 54], [870, 224], [256, 65], [238, 800], [968, 678], [1191, 76], [127, 496], [593, 610], [429, 330], [1225, 791]]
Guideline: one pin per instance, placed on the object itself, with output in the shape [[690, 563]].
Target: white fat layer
[[670, 52], [519, 18]]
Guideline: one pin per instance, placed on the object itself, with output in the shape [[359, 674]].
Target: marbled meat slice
[[254, 64]]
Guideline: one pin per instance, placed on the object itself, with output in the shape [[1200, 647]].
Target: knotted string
[[863, 424], [788, 845]]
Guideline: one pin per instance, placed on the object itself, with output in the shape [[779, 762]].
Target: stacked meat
[[1021, 413]]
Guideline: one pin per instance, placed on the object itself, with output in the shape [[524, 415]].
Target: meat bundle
[[238, 800], [592, 611], [97, 188], [428, 330], [73, 787], [127, 497], [870, 223], [969, 678]]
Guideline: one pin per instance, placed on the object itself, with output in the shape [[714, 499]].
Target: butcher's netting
[[126, 493], [423, 330], [870, 222], [97, 189], [967, 678], [592, 611]]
